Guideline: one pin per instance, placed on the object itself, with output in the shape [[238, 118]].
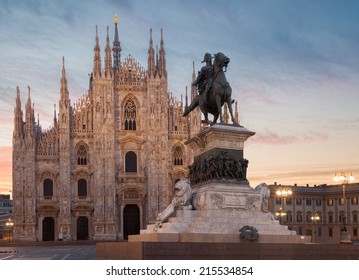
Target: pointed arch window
[[130, 115], [82, 157], [178, 156], [131, 162], [48, 188], [82, 188]]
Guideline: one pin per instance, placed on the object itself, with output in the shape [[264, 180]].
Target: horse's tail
[[192, 106]]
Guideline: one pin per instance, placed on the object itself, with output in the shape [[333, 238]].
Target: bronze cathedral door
[[131, 220]]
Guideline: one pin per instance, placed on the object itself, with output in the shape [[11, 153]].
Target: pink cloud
[[5, 168], [272, 138], [269, 137], [302, 176], [257, 95], [315, 137]]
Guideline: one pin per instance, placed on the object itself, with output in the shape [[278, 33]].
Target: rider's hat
[[207, 57]]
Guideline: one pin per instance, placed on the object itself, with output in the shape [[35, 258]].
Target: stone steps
[[228, 223]]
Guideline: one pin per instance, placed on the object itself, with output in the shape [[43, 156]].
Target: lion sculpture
[[264, 194], [181, 200]]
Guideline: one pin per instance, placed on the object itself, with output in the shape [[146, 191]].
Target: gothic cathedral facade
[[108, 164]]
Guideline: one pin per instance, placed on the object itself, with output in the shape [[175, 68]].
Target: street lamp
[[344, 180], [280, 213], [9, 224], [315, 219], [283, 192]]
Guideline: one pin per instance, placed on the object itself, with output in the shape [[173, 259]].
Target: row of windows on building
[[130, 158], [317, 217], [329, 230], [316, 202]]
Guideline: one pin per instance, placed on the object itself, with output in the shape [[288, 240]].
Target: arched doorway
[[82, 228], [131, 220], [48, 229]]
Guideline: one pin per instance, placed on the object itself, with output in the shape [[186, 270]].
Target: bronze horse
[[220, 93]]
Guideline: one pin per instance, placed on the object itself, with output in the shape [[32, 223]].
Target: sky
[[294, 70]]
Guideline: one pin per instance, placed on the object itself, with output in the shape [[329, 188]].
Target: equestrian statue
[[213, 89]]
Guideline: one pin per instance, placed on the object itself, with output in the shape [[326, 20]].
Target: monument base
[[224, 208], [345, 237], [218, 226], [215, 238]]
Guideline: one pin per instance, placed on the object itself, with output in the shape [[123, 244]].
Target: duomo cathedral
[[108, 164]]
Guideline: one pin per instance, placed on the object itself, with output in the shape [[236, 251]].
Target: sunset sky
[[294, 70]]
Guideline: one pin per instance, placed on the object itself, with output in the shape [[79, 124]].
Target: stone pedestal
[[219, 171], [227, 137], [345, 237], [223, 201]]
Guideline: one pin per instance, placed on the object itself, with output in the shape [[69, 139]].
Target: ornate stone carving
[[131, 194], [218, 168], [200, 142], [253, 202], [217, 200]]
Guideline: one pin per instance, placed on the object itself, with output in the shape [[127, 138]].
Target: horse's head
[[221, 60]]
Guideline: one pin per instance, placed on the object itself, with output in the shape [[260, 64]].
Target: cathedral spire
[[97, 57], [64, 95], [55, 117], [18, 101], [151, 57], [28, 97], [162, 58], [108, 57], [28, 108], [18, 120], [157, 64], [236, 113], [186, 105], [116, 46], [193, 88], [64, 103], [29, 115]]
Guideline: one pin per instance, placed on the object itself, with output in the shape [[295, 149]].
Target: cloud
[[314, 137], [349, 124], [257, 95], [269, 137], [313, 176], [5, 168], [293, 63], [272, 138]]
